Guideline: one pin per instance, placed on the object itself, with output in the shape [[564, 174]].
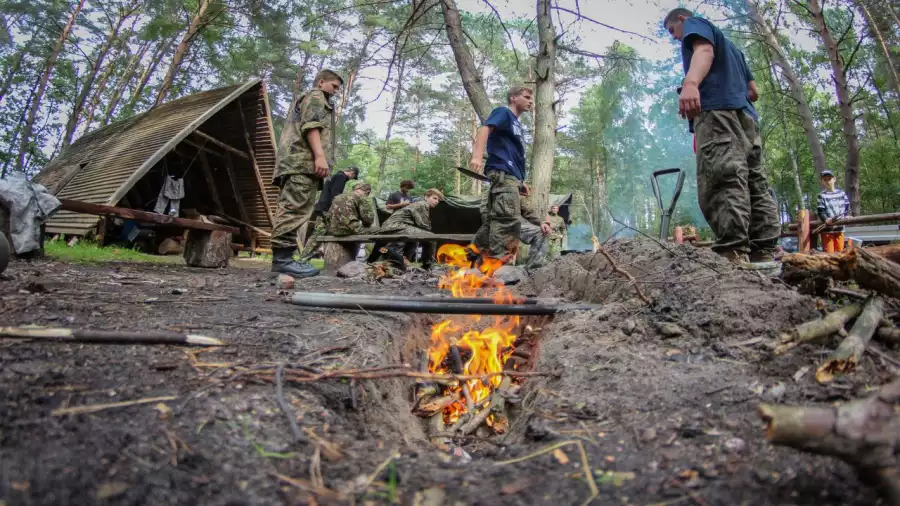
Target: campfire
[[471, 345]]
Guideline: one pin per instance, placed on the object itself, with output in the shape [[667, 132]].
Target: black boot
[[283, 263]]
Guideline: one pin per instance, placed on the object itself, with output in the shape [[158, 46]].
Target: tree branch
[[621, 30], [503, 25]]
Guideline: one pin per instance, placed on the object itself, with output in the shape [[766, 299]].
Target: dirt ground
[[662, 399]]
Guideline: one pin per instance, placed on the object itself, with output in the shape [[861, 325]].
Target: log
[[844, 359], [888, 335], [803, 231], [864, 433], [812, 330], [856, 220], [431, 405], [868, 270], [337, 255], [208, 249], [94, 336], [891, 252]]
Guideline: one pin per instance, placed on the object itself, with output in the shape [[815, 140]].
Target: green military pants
[[295, 206], [731, 183], [500, 225]]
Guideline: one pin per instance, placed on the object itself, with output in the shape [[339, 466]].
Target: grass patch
[[89, 252]]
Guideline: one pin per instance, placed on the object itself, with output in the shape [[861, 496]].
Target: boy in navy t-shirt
[[716, 97], [503, 136]]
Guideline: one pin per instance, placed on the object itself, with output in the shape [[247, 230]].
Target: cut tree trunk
[[890, 252], [544, 150], [851, 136], [816, 329], [465, 63], [869, 271], [197, 23], [796, 87], [42, 87], [208, 249], [846, 356], [864, 433], [337, 254]]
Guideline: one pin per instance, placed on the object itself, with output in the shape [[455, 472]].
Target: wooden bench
[[208, 244], [339, 250]]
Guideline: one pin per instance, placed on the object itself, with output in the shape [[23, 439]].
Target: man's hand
[[321, 168], [524, 190], [476, 165], [689, 101], [829, 221], [545, 228], [752, 91]]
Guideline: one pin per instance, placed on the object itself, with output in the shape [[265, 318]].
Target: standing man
[[402, 198], [832, 205], [305, 154], [557, 231], [503, 137], [716, 98]]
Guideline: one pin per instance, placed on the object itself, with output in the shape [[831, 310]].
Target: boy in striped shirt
[[833, 204]]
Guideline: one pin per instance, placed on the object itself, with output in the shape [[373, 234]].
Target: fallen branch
[[869, 271], [888, 335], [107, 336], [283, 405], [93, 408], [847, 355], [812, 330], [625, 274], [848, 293], [864, 433], [396, 371]]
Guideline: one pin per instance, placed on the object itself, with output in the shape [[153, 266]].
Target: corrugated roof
[[103, 165]]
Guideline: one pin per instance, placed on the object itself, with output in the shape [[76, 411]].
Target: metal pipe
[[450, 300], [327, 300]]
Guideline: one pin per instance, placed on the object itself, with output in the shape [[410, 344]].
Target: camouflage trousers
[[312, 242], [407, 249], [295, 206], [538, 244], [501, 217], [731, 184]]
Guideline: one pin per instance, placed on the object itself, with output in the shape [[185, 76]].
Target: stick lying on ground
[[93, 408], [846, 356], [423, 305], [816, 329], [108, 336], [868, 270], [864, 433]]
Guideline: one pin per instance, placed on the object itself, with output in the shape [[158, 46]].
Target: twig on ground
[[625, 274], [387, 461], [306, 486], [92, 336], [849, 293], [815, 329], [93, 408], [846, 356], [300, 376], [876, 350], [283, 405], [589, 476]]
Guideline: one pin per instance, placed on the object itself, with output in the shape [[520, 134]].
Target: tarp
[[29, 205], [460, 214]]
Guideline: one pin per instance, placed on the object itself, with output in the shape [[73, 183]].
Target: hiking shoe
[[283, 263], [736, 257], [762, 256]]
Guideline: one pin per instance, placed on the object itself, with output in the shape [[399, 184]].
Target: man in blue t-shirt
[[717, 98], [504, 138]]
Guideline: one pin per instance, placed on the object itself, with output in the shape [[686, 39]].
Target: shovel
[[666, 212]]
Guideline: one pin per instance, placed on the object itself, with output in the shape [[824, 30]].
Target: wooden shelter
[[221, 142]]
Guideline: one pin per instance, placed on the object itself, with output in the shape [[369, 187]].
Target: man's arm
[[394, 203], [820, 208], [366, 211], [752, 91], [701, 62], [314, 139], [477, 161]]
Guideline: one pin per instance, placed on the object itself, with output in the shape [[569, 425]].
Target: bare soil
[[661, 398]]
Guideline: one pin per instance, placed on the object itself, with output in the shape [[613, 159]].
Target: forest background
[[420, 74]]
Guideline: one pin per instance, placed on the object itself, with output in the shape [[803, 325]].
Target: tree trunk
[[892, 61], [160, 53], [465, 63], [839, 73], [98, 96], [42, 86], [123, 83], [458, 156], [86, 89], [812, 137], [398, 96], [544, 150], [197, 23]]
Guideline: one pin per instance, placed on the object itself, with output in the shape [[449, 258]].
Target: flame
[[484, 351]]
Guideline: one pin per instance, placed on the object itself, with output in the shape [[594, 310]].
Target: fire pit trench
[[474, 345]]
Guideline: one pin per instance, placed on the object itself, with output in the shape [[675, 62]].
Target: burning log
[[816, 329], [431, 405], [864, 433], [456, 365], [846, 356], [869, 271]]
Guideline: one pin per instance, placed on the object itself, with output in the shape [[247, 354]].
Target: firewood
[[869, 271], [846, 356], [864, 433], [816, 329], [890, 252], [430, 405], [888, 335]]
